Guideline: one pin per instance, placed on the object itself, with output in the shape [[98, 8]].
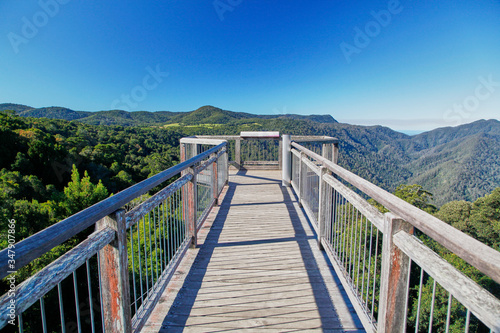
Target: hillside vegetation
[[454, 163]]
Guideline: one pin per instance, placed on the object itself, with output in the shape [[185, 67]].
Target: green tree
[[81, 193]]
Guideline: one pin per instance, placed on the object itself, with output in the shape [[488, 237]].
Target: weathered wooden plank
[[45, 280], [203, 141], [365, 208], [259, 260], [115, 288], [313, 167], [138, 212], [479, 255], [482, 304], [393, 278], [34, 246]]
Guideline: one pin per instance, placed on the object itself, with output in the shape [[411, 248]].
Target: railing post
[[323, 205], [192, 202], [393, 278], [183, 152], [327, 151], [287, 160], [215, 181], [113, 263], [335, 154], [237, 153]]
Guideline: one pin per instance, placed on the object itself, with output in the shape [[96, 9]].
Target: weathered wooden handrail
[[110, 243], [334, 211], [477, 254], [39, 284], [40, 243]]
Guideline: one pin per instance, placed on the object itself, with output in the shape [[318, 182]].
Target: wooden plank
[[482, 304], [258, 266], [138, 212], [115, 287], [36, 245], [260, 135], [45, 280], [479, 255], [365, 208], [202, 141], [393, 279]]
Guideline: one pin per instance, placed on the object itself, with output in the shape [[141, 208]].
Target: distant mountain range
[[453, 163], [203, 115]]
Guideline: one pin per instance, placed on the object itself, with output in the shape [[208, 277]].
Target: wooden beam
[[393, 279], [113, 263], [477, 254], [481, 303], [40, 243]]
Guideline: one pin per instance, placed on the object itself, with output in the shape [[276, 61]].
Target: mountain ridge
[[454, 163], [204, 115]]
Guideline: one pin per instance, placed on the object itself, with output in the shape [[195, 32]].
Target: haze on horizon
[[407, 65]]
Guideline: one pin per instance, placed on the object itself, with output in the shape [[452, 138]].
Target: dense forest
[[454, 163], [53, 168]]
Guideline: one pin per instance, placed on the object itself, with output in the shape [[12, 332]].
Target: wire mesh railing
[[111, 280], [388, 262]]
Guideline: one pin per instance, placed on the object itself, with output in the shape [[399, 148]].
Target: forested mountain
[[454, 163], [203, 115]]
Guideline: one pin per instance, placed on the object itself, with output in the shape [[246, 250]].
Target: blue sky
[[409, 65]]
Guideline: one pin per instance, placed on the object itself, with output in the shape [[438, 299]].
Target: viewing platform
[[257, 268], [257, 232]]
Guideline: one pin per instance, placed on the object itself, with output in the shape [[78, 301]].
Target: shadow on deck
[[257, 268]]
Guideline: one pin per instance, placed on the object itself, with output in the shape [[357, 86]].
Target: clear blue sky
[[420, 65]]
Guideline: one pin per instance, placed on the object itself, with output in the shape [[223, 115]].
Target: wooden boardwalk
[[257, 269]]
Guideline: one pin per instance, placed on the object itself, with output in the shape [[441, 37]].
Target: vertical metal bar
[[151, 252], [419, 299], [467, 321], [192, 209], [156, 242], [132, 254], [44, 319], [140, 261], [407, 299], [369, 266], [431, 314], [90, 296], [100, 290], [145, 253], [448, 313], [77, 302], [359, 247], [375, 271], [169, 228], [61, 308], [20, 322], [364, 259]]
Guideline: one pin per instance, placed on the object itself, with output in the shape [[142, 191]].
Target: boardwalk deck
[[257, 269]]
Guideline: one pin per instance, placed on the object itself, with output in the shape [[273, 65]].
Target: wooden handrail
[[474, 252], [40, 243]]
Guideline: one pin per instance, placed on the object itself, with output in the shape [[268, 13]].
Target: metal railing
[[258, 152], [379, 259], [111, 281]]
